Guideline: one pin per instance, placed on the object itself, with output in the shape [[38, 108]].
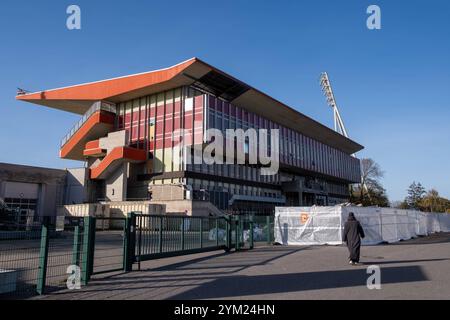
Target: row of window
[[221, 193], [22, 205], [152, 120], [295, 148], [201, 184]]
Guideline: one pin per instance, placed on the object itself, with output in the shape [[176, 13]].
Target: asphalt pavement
[[414, 269]]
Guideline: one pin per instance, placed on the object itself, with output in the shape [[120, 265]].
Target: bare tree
[[371, 173]]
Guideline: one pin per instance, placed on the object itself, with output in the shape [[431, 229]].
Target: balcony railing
[[97, 106]]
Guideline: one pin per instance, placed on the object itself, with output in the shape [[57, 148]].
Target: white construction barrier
[[324, 225]]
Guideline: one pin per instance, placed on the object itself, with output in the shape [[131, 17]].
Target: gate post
[[268, 230], [88, 249], [236, 234], [130, 242], [251, 231], [228, 233], [182, 232], [93, 228], [201, 232], [160, 234], [43, 257], [76, 246], [217, 232]]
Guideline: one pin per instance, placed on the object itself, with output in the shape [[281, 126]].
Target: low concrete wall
[[121, 209], [84, 210], [80, 210], [108, 210], [193, 208]]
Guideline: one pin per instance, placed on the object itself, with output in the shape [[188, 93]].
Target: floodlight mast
[[338, 122], [328, 93]]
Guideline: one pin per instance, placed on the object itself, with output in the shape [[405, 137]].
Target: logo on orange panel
[[304, 217]]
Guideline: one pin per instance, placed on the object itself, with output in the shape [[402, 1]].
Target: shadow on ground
[[378, 262], [261, 256], [230, 286], [213, 265], [438, 237]]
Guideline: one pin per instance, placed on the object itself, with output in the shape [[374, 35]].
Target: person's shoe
[[350, 262], [355, 263]]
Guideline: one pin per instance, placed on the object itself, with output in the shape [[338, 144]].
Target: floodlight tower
[[338, 122], [328, 93]]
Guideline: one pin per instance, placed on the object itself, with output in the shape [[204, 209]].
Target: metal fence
[[263, 229], [64, 256], [37, 260], [162, 236], [41, 261], [108, 247], [19, 261]]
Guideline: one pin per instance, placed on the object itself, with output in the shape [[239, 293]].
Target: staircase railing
[[97, 106]]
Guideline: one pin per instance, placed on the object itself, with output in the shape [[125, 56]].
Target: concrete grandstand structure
[[125, 137]]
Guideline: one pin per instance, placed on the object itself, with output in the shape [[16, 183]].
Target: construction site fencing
[[324, 225]]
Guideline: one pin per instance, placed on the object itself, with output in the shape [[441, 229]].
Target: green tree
[[375, 195], [415, 195], [433, 202], [403, 205]]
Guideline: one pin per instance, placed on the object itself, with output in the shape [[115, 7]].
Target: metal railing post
[[88, 249], [201, 232], [182, 232], [228, 232], [251, 231], [93, 227], [160, 239], [138, 224], [76, 246], [217, 232], [130, 242], [43, 257], [236, 234]]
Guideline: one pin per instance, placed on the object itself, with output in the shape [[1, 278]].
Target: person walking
[[353, 232]]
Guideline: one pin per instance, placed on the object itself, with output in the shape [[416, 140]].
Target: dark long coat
[[353, 232]]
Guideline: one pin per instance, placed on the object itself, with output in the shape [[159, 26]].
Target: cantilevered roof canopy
[[78, 98]]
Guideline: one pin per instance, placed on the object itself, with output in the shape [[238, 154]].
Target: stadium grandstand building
[[125, 137]]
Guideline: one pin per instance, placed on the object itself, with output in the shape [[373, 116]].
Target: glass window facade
[[296, 149]]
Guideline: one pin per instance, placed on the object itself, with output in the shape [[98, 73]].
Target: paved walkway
[[415, 269]]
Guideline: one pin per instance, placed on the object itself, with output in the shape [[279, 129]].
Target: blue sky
[[392, 85]]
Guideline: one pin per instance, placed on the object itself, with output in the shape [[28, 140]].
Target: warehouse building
[[32, 191], [126, 139]]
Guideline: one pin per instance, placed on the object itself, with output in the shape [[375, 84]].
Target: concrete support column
[[116, 184], [300, 198]]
